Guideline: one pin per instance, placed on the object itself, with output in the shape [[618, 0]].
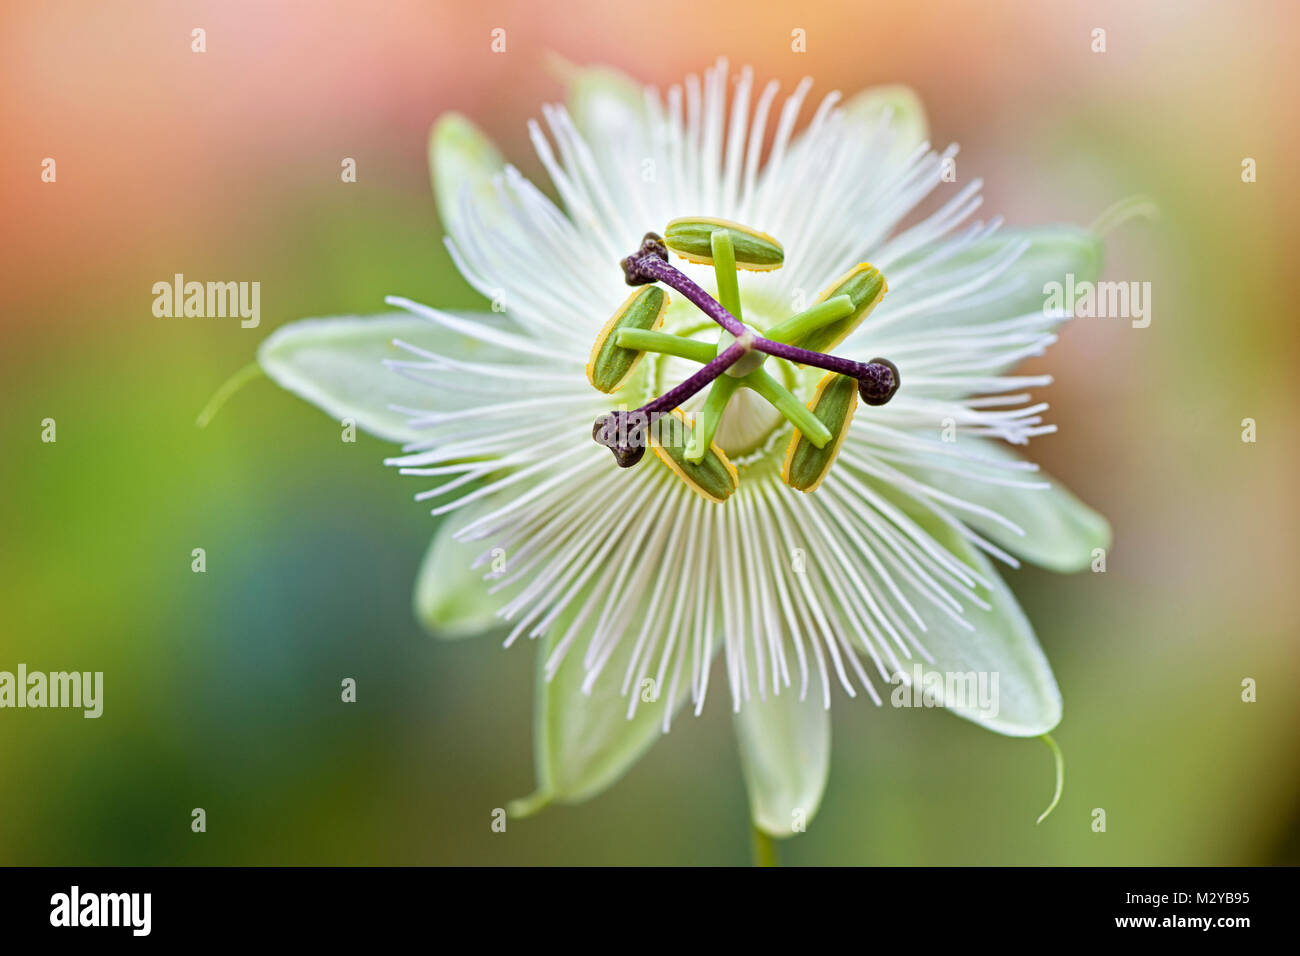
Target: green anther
[[810, 320], [665, 343], [833, 403], [692, 239], [610, 363], [710, 416], [785, 402], [713, 478], [866, 287]]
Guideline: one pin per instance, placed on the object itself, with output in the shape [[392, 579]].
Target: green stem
[[724, 268], [665, 344], [706, 423], [789, 331], [796, 412], [227, 389], [764, 848]]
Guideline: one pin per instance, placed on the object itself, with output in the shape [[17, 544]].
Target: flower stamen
[[741, 351], [647, 265], [624, 433]]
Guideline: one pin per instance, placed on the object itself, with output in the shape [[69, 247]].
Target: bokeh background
[[222, 689]]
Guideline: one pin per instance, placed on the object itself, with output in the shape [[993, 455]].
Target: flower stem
[[764, 848]]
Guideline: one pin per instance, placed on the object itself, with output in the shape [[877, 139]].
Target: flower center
[[745, 401], [748, 422]]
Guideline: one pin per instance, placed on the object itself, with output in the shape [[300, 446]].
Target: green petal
[[583, 743], [461, 156], [1003, 642], [451, 598], [909, 122], [785, 754], [337, 365], [1052, 252], [1060, 530], [604, 102], [608, 108]]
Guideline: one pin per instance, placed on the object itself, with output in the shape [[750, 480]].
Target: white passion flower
[[811, 541]]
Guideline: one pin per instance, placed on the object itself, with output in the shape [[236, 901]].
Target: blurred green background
[[222, 689]]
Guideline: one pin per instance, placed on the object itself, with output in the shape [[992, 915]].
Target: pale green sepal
[[461, 156], [1061, 532], [1055, 253], [452, 599], [604, 102], [785, 748], [1052, 253], [337, 364], [583, 743], [908, 120], [1028, 702]]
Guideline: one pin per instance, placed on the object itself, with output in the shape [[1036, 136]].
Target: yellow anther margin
[[610, 364], [834, 402], [691, 238], [866, 287], [714, 478]]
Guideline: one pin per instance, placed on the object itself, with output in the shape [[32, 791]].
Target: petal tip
[[525, 807]]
